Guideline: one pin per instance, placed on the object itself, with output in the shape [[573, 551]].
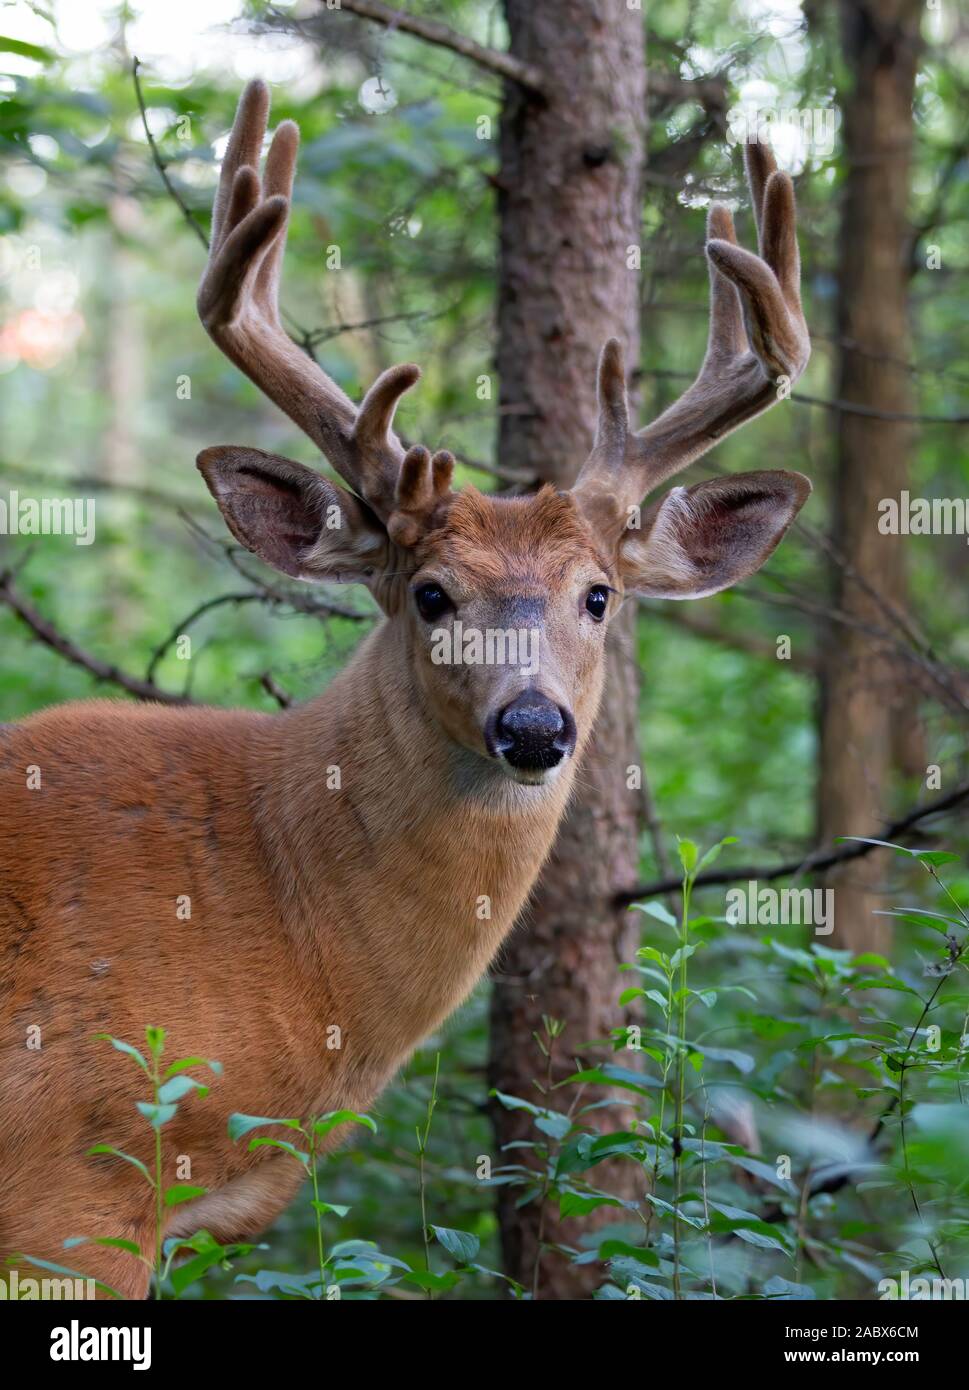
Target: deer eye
[[596, 600], [431, 601]]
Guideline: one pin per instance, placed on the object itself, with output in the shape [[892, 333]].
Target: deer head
[[446, 567]]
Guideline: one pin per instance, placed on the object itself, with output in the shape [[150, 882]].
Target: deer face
[[506, 615], [503, 603]]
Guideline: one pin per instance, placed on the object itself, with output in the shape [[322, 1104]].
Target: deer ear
[[293, 518], [699, 540]]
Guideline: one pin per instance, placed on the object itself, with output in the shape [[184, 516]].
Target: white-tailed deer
[[373, 900]]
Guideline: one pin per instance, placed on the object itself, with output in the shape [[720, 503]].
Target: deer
[[354, 906]]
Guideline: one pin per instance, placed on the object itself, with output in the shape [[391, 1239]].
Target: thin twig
[[180, 630], [160, 163], [272, 687], [431, 31], [46, 633], [77, 484], [811, 863], [846, 407]]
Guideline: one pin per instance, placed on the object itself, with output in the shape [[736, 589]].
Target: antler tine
[[423, 491], [602, 482], [612, 429], [758, 346], [238, 304]]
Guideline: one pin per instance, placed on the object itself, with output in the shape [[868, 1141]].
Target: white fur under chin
[[541, 777]]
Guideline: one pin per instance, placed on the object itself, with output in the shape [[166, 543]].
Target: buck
[[365, 910]]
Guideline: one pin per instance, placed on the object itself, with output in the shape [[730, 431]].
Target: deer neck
[[400, 858]]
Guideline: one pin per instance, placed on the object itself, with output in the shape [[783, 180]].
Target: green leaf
[[182, 1192], [766, 1171], [186, 1062], [240, 1124], [461, 1244], [578, 1204], [885, 844], [178, 1087], [688, 854], [26, 50], [628, 995], [614, 1249], [189, 1273], [124, 1047], [263, 1142], [748, 1227], [741, 1060], [651, 953], [135, 1162], [936, 856], [780, 1289], [325, 1208], [439, 1282], [668, 1207], [713, 853], [922, 917], [329, 1122], [657, 910], [156, 1115], [284, 1282], [201, 1240], [553, 1123], [112, 1243], [155, 1038], [516, 1103], [619, 1142], [37, 1263], [609, 1075], [886, 982]]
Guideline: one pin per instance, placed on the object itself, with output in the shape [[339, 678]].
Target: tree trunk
[[569, 202], [864, 703]]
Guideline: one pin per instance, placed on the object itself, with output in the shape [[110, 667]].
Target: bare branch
[[894, 417], [203, 608], [431, 31], [186, 211], [846, 407], [272, 687], [46, 633], [813, 862], [77, 484], [952, 683], [710, 92], [701, 625]]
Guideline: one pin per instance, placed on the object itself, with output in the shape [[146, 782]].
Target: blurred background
[[827, 696]]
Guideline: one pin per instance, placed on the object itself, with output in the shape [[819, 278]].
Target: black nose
[[532, 732]]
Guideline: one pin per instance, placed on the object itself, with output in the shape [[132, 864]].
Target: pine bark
[[867, 701], [569, 202]]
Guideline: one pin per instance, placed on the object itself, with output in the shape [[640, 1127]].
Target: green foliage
[[828, 1038]]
